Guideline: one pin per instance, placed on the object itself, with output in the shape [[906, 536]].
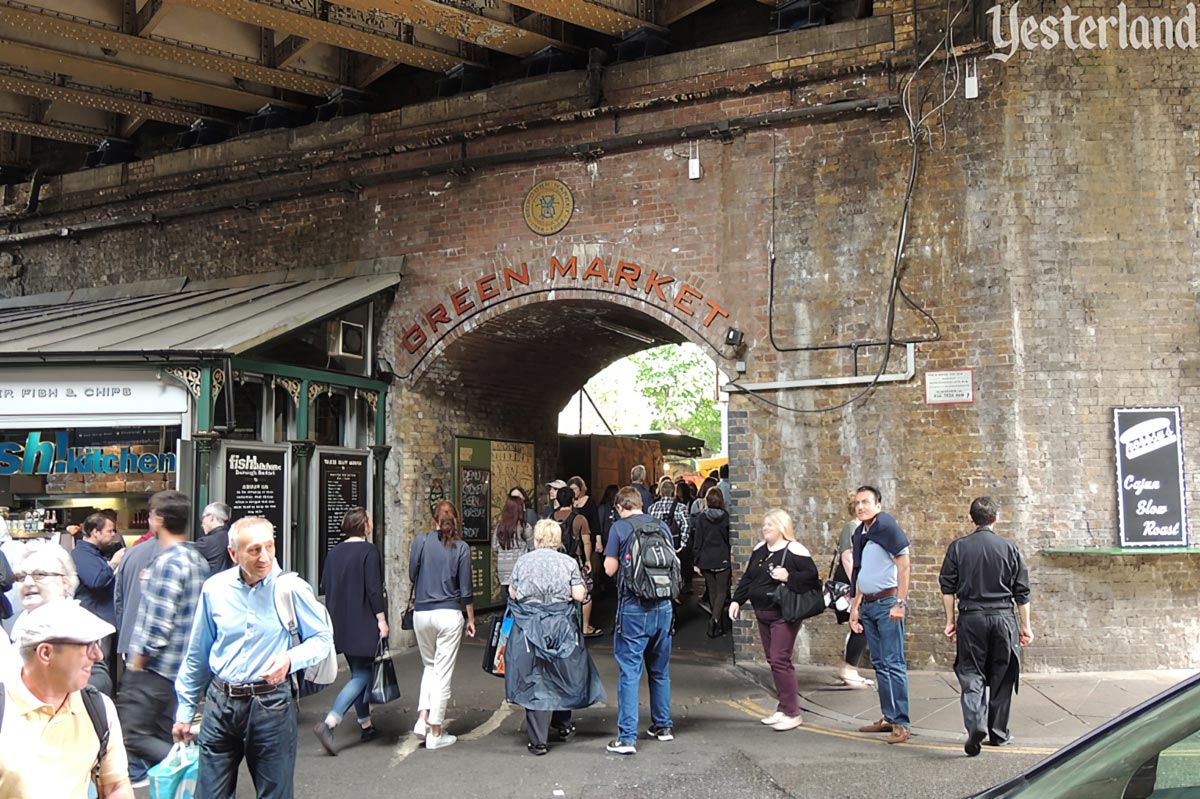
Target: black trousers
[[717, 585], [539, 722], [988, 667], [146, 708]]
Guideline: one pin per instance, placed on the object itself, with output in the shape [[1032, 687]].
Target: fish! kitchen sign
[[1150, 489], [36, 456], [677, 297]]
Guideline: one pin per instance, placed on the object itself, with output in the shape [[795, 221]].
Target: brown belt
[[875, 597]]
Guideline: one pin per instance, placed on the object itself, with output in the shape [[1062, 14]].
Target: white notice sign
[[945, 388]]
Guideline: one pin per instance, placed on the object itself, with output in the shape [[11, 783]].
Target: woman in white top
[[511, 539]]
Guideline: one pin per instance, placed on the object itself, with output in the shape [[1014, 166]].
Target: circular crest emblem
[[548, 207]]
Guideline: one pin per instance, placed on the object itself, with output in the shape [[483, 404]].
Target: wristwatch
[[902, 603]]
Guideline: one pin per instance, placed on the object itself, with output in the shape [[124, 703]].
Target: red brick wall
[[1052, 237]]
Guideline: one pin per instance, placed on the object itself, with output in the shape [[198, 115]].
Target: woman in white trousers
[[439, 566]]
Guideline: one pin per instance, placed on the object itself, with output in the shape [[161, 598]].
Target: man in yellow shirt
[[49, 743]]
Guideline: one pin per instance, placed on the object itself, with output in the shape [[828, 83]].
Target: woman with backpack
[[711, 552], [778, 558], [511, 539], [353, 588], [439, 566]]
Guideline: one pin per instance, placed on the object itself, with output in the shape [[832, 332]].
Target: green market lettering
[[625, 276]]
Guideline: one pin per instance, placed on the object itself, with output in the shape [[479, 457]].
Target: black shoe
[[972, 746], [566, 733], [324, 734], [538, 749], [1000, 741], [661, 733], [368, 734], [619, 747]]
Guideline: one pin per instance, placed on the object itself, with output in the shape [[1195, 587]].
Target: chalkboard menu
[[474, 490], [341, 485], [256, 485], [1150, 490]]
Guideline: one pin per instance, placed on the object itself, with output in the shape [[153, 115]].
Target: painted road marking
[[491, 725], [410, 744], [751, 709]]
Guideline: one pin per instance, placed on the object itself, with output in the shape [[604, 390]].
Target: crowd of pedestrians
[[184, 636]]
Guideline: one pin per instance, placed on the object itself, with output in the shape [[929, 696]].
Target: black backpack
[[570, 544], [649, 567], [673, 524]]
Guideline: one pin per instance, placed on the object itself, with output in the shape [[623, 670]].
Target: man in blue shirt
[[642, 634], [239, 657], [880, 586]]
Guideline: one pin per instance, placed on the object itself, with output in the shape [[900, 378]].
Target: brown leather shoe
[[899, 734], [883, 725]]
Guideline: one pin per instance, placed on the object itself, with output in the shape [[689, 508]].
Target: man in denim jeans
[[239, 658], [880, 586], [643, 633]]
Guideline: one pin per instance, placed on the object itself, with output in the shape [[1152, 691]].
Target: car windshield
[[1153, 755]]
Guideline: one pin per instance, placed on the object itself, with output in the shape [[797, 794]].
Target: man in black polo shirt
[[988, 575]]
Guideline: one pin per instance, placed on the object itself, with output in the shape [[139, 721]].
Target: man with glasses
[[44, 572], [49, 743], [214, 544]]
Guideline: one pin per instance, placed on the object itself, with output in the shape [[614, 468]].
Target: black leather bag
[[833, 588], [384, 687], [797, 606]]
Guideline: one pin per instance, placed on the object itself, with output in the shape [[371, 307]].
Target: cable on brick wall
[[918, 130]]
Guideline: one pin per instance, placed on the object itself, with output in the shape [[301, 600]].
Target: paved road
[[721, 750]]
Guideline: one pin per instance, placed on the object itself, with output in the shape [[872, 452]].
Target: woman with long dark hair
[[353, 588], [511, 539], [531, 516], [439, 566]]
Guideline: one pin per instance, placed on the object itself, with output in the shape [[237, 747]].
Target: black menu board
[[475, 491], [1150, 490], [341, 485], [256, 485]]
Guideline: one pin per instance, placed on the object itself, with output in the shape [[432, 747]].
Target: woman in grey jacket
[[439, 566]]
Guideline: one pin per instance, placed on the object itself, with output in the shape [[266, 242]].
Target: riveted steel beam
[[588, 14], [460, 24], [32, 85], [99, 34], [350, 37], [111, 73], [57, 131]]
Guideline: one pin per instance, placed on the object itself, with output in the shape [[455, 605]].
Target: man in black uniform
[[988, 575]]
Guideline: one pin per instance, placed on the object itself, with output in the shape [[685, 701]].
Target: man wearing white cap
[[50, 745]]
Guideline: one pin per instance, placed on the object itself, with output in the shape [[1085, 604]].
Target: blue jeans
[[262, 729], [885, 637], [643, 634], [356, 690]]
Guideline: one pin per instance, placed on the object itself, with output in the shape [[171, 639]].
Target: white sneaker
[[787, 723], [420, 729], [774, 718], [439, 741]]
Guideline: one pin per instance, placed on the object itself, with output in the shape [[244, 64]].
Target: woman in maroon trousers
[[778, 558]]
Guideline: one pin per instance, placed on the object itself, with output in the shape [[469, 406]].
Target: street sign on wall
[[1150, 488]]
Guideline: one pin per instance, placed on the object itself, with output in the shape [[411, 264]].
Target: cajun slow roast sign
[[1150, 489]]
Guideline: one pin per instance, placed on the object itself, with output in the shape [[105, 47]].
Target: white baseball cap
[[60, 620], [557, 484]]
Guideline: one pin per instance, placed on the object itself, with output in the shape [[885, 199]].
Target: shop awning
[[230, 315], [677, 444]]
